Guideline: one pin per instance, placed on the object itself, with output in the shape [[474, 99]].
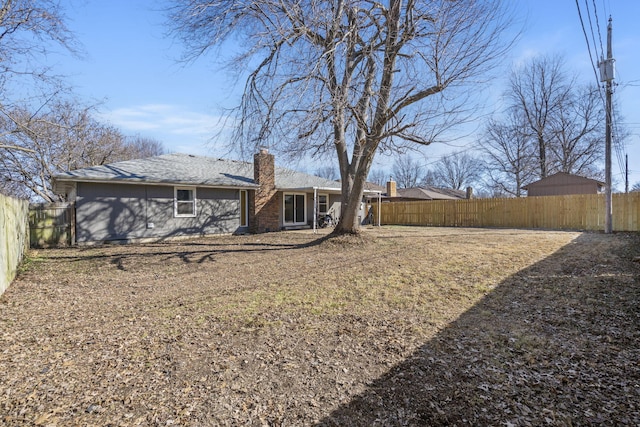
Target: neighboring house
[[426, 192], [179, 195], [563, 183]]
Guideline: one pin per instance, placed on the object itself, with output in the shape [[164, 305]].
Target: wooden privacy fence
[[575, 212], [13, 237], [51, 224]]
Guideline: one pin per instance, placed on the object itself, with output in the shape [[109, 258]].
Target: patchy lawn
[[402, 326]]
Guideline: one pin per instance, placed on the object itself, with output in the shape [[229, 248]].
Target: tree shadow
[[189, 252], [554, 344], [114, 220]]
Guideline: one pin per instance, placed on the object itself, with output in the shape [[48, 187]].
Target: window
[[244, 209], [184, 202], [323, 203], [294, 208]]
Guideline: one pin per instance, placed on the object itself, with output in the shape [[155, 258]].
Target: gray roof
[[431, 193], [562, 178], [187, 169]]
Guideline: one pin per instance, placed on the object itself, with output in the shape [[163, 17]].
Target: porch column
[[379, 209], [315, 209]]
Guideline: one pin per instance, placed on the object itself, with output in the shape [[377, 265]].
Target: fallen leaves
[[404, 326]]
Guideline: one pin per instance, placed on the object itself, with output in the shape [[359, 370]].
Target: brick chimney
[[391, 188], [264, 212]]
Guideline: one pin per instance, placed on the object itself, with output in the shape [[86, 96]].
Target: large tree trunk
[[355, 69], [352, 192], [542, 156], [354, 176]]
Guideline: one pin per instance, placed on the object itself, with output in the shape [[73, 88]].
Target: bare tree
[[458, 170], [538, 90], [141, 146], [40, 132], [577, 131], [430, 178], [551, 124], [12, 188], [62, 137], [347, 75], [22, 136], [328, 172], [407, 172], [378, 176], [509, 155], [29, 31]]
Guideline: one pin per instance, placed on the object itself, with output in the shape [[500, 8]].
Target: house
[[563, 183], [182, 195], [377, 194], [426, 192]]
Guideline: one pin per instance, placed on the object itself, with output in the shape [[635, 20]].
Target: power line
[[586, 38], [595, 12], [618, 142], [593, 65], [593, 36]]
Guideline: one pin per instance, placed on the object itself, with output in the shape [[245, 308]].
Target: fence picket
[[51, 224], [573, 212]]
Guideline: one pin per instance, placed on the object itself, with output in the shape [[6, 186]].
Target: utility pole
[[626, 174], [606, 75]]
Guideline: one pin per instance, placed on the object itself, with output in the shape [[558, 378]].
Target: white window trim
[[175, 202], [284, 220], [328, 203]]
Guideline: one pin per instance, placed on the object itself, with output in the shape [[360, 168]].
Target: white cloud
[[168, 118], [180, 129]]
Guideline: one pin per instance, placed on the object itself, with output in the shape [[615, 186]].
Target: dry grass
[[399, 326]]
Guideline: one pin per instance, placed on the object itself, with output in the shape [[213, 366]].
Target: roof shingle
[[187, 169]]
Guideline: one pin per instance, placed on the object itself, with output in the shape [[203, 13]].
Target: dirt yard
[[399, 327]]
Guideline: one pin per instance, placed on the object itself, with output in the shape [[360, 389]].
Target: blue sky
[[132, 68]]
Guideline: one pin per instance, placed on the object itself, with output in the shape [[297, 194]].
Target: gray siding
[[106, 212]]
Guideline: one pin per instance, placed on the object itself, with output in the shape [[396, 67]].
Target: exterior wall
[[562, 184], [333, 207], [109, 212], [14, 240], [561, 190]]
